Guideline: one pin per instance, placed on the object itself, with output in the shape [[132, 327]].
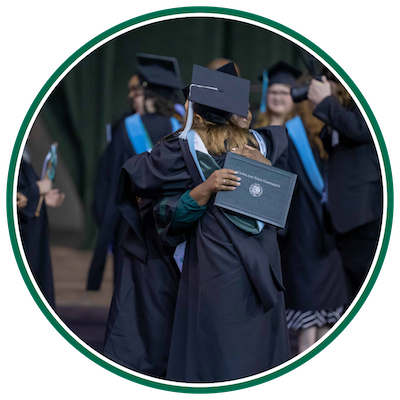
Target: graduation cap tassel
[[189, 122]]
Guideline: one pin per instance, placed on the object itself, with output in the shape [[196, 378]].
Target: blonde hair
[[313, 126], [220, 139], [264, 119]]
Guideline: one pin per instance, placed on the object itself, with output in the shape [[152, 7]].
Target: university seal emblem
[[256, 190]]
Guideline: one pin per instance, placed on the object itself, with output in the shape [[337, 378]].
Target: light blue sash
[[175, 124], [138, 135], [299, 137], [263, 105]]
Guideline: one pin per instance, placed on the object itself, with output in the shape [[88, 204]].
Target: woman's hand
[[220, 180], [253, 153], [22, 201], [319, 90], [44, 186], [54, 198]]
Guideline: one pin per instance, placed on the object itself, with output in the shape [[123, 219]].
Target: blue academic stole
[[138, 134], [299, 138]]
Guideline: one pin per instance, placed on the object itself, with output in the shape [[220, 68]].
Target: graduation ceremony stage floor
[[85, 312]]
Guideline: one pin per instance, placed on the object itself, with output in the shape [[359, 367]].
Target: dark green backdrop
[[94, 92]]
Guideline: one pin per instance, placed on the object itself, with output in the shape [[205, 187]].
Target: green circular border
[[80, 52]]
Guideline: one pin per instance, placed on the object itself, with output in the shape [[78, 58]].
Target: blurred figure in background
[[217, 63], [154, 101], [353, 191], [34, 226], [22, 201], [316, 287], [277, 105]]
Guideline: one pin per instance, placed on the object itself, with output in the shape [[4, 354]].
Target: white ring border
[[173, 17]]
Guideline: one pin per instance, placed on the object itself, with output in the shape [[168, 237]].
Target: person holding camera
[[316, 284], [353, 186]]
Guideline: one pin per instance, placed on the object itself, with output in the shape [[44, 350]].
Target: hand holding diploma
[[220, 180], [225, 179]]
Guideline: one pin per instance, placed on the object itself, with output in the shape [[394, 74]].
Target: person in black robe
[[154, 100], [229, 320], [135, 101], [34, 228], [316, 285], [354, 185]]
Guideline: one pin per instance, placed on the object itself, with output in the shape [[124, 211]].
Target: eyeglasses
[[278, 93]]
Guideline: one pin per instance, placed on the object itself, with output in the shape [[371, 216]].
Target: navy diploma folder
[[265, 192]]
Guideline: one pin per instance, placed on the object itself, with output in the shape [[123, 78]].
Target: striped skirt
[[306, 319]]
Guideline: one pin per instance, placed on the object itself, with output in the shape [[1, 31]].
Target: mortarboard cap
[[221, 93], [159, 74], [228, 68], [283, 73]]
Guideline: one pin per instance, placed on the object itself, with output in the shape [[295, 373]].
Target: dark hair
[[163, 106], [210, 114]]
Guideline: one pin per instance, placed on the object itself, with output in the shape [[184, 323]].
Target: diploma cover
[[265, 193]]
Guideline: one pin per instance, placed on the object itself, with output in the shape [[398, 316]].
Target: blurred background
[[93, 95]]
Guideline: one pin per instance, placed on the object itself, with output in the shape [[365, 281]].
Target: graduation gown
[[229, 320], [141, 316], [354, 186], [354, 177], [313, 274], [35, 232], [110, 222]]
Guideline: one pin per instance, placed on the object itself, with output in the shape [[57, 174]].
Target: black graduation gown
[[354, 177], [35, 232], [312, 270], [355, 192], [139, 325], [230, 316], [110, 222]]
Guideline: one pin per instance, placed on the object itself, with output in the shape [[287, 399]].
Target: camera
[[299, 94]]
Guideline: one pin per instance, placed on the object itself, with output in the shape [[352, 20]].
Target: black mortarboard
[[218, 93], [283, 73], [159, 74], [228, 68]]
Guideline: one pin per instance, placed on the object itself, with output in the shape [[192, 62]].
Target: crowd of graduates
[[202, 294]]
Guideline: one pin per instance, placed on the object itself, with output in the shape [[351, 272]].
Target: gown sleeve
[[187, 212], [175, 214], [160, 173], [350, 124], [276, 140], [156, 175]]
